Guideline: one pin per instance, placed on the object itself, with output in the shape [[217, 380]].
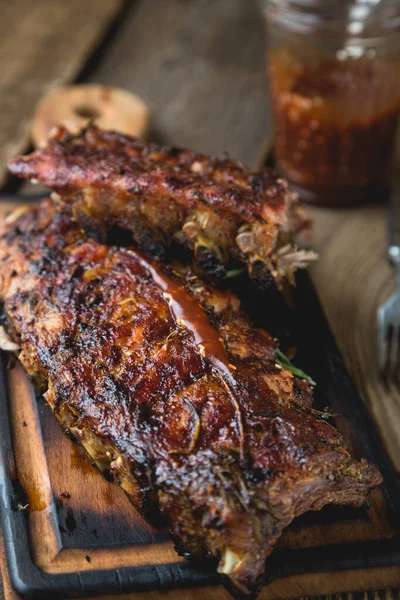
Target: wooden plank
[[300, 585], [6, 590], [353, 268], [43, 44], [200, 67]]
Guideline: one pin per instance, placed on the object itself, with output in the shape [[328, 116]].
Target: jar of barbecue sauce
[[334, 75]]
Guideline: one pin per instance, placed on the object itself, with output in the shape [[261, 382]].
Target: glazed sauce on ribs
[[188, 313], [335, 125]]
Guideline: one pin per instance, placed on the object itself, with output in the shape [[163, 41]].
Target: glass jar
[[334, 74]]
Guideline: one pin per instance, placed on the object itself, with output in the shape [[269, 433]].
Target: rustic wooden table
[[200, 67]]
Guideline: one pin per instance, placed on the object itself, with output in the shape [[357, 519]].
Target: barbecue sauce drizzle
[[188, 313]]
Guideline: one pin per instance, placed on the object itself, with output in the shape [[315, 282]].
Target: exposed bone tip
[[229, 562], [15, 214], [6, 342]]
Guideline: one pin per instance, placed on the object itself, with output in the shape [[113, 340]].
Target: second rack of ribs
[[165, 383], [216, 209]]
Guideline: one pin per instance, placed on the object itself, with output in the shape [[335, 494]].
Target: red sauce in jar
[[335, 125]]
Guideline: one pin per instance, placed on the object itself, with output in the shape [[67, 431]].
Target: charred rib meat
[[215, 208], [164, 382]]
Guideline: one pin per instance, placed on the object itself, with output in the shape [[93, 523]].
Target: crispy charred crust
[[167, 196], [92, 226], [209, 262], [260, 273], [132, 167], [128, 359]]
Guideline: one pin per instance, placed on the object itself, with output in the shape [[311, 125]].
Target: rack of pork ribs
[[222, 215], [158, 374]]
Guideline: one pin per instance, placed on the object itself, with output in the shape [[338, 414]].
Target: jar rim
[[358, 18]]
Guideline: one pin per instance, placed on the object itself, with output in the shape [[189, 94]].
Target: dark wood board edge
[[30, 581]]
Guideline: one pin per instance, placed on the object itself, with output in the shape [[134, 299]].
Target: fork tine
[[390, 346], [383, 335], [397, 366], [393, 351]]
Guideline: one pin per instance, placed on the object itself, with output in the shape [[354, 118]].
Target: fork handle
[[394, 223]]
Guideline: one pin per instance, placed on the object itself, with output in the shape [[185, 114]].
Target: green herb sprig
[[283, 361], [233, 273]]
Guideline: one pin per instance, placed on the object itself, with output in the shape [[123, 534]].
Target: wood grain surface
[[353, 278], [200, 67], [43, 44]]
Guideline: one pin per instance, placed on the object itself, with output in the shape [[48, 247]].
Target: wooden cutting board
[[69, 530]]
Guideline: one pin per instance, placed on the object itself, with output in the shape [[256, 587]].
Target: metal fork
[[389, 312]]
